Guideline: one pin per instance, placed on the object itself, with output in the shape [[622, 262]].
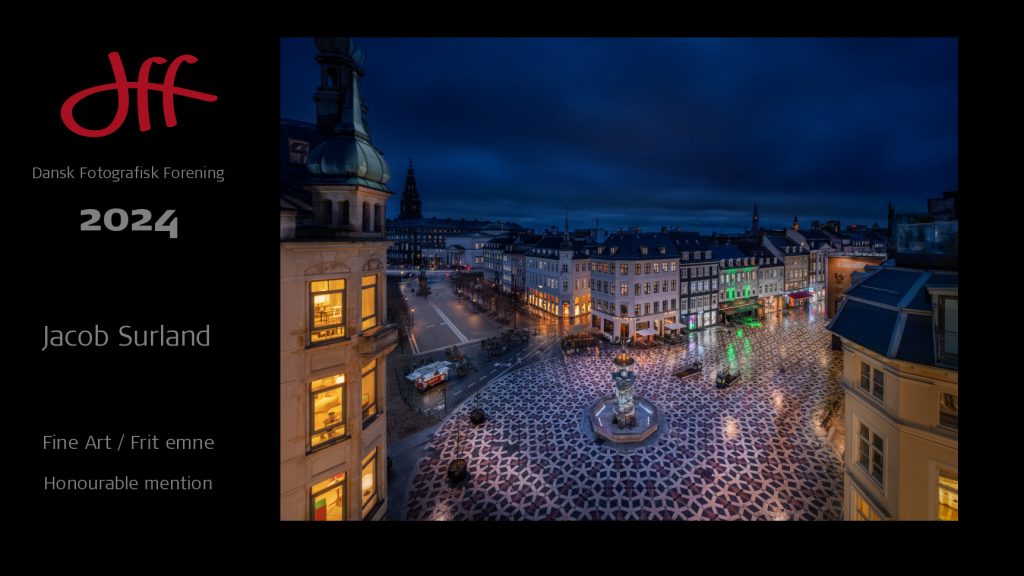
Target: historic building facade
[[557, 277], [737, 282], [899, 331], [635, 284], [698, 280], [796, 260], [818, 247], [335, 334]]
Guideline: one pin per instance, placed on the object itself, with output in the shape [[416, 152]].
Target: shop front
[[740, 308], [798, 298]]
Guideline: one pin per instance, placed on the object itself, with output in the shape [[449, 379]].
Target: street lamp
[[412, 319]]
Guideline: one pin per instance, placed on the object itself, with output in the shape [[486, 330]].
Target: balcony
[[378, 340]]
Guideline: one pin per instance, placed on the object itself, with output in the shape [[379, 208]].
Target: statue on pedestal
[[625, 410]]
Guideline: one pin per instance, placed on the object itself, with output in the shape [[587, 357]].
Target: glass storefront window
[[326, 310], [327, 404], [327, 499]]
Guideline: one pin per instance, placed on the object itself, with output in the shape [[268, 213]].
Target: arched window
[[325, 212], [367, 223], [378, 218], [343, 217]]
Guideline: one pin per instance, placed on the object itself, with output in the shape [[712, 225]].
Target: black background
[[220, 271]]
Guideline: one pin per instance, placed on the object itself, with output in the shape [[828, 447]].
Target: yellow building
[[900, 374], [334, 330]]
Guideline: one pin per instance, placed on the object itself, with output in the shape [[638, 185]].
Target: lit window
[[369, 301], [624, 269], [370, 494], [647, 308], [949, 495], [643, 250], [327, 499], [949, 411], [327, 310], [871, 453], [636, 310], [368, 401], [862, 509], [636, 269], [624, 289], [657, 267], [327, 403]]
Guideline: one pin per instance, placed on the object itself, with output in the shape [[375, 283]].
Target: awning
[[646, 332], [740, 309], [674, 325], [800, 295]]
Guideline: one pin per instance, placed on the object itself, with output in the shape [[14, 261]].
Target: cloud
[[658, 132]]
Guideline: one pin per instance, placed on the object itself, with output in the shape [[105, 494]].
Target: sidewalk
[[405, 455]]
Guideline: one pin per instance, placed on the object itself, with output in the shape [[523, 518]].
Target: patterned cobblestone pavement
[[753, 451]]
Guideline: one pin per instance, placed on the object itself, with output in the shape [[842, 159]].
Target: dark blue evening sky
[[652, 132]]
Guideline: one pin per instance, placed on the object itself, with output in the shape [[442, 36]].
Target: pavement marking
[[458, 333], [412, 343], [447, 347]]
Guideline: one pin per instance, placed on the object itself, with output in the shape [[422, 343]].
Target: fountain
[[624, 417]]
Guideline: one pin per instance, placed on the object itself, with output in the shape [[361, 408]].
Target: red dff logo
[[142, 86]]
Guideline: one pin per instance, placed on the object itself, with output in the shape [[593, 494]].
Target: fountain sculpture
[[624, 417]]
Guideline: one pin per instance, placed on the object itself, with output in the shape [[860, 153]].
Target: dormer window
[[600, 249], [661, 249], [947, 330], [298, 151], [643, 250], [707, 254], [613, 250]]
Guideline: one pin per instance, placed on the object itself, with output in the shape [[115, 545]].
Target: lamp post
[[412, 319]]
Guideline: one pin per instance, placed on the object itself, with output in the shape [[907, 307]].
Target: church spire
[[346, 156], [410, 205], [566, 242]]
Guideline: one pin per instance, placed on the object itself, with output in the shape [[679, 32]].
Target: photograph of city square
[[607, 279]]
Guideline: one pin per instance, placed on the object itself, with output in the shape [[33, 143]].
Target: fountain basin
[[603, 412]]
